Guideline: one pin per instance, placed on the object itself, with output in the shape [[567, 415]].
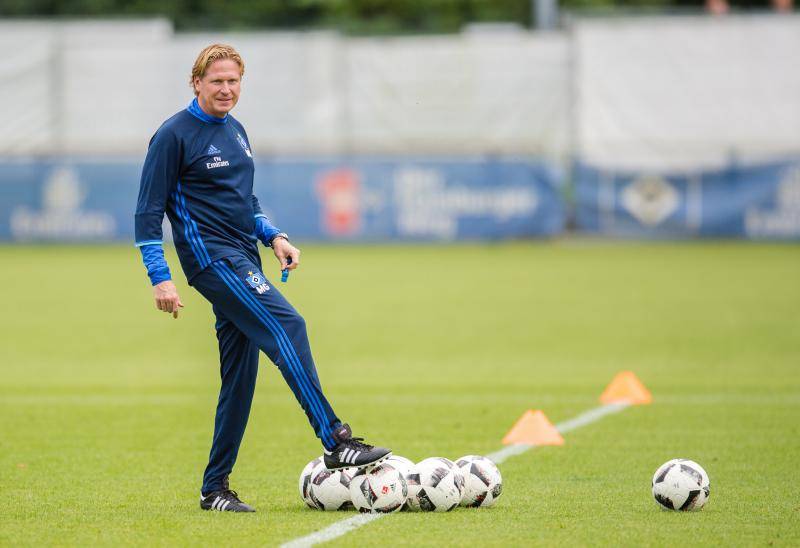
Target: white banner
[[656, 93], [682, 92], [105, 87]]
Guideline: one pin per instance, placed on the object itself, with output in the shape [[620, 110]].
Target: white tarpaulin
[[643, 92], [473, 92], [83, 87], [103, 87], [679, 92]]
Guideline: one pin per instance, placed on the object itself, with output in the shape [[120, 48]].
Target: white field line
[[346, 525], [332, 531], [590, 416]]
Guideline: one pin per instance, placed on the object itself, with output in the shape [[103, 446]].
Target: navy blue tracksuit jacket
[[199, 171]]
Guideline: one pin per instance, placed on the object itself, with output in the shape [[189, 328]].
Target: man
[[199, 170]]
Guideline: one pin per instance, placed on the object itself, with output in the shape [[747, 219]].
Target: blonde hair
[[212, 53]]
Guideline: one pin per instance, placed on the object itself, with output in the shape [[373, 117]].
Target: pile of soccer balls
[[436, 484]]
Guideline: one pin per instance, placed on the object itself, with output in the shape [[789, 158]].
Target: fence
[[685, 126]]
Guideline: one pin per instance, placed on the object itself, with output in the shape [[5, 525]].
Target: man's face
[[218, 91]]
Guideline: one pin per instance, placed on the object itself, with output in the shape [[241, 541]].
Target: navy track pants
[[251, 316]]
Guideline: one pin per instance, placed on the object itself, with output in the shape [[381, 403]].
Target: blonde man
[[199, 171]]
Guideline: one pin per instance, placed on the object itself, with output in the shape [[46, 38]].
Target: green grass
[[106, 405]]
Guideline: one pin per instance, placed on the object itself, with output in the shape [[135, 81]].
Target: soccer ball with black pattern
[[482, 481], [441, 485], [379, 489], [330, 489], [305, 482], [408, 470], [681, 484]]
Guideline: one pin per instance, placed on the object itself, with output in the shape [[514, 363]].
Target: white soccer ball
[[380, 489], [330, 489], [482, 481], [441, 485], [408, 470], [305, 482], [681, 484], [399, 463]]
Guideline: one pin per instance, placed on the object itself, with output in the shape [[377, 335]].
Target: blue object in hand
[[285, 271]]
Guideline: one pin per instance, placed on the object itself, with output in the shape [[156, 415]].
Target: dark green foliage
[[358, 16], [353, 16]]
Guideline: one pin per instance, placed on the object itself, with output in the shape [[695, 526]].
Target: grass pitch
[[107, 405]]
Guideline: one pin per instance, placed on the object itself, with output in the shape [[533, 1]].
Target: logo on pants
[[257, 282]]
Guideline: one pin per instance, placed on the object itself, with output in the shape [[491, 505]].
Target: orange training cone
[[533, 428], [626, 387]]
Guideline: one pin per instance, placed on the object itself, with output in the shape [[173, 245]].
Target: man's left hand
[[284, 250]]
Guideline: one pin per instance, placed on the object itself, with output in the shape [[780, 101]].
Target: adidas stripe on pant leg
[[264, 319]]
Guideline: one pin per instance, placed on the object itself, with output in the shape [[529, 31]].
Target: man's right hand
[[167, 299]]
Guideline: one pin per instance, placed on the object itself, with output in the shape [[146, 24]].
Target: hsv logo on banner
[[651, 199], [759, 200]]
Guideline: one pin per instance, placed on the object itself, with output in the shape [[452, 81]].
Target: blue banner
[[753, 201], [67, 201], [366, 199]]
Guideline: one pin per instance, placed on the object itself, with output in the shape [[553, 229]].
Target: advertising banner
[[753, 201], [362, 199]]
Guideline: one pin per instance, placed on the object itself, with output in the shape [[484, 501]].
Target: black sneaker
[[351, 453], [224, 500]]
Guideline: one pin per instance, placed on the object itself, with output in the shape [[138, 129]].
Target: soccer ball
[[400, 464], [482, 481], [379, 489], [330, 489], [681, 484], [441, 485], [305, 482], [408, 470]]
